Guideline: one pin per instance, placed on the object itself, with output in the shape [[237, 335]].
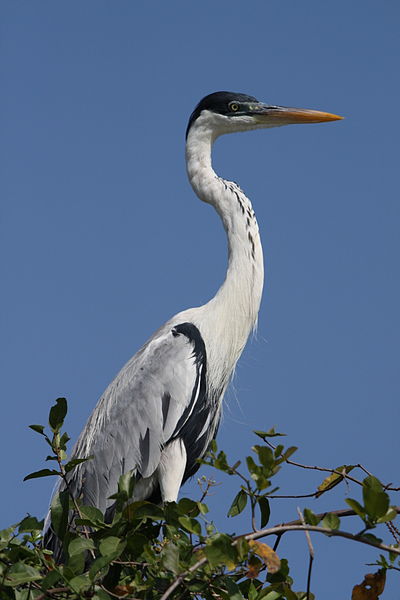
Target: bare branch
[[330, 532]]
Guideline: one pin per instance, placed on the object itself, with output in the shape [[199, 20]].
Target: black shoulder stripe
[[198, 400], [193, 334]]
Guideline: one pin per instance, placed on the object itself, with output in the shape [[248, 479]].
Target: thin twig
[[131, 563], [394, 531], [325, 470], [315, 467], [311, 495], [182, 576], [278, 539], [311, 552], [209, 484], [388, 566], [364, 469], [253, 516], [50, 593]]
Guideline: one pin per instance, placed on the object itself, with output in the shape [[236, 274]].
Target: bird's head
[[228, 112]]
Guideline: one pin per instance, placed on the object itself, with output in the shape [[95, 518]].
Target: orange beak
[[281, 115]]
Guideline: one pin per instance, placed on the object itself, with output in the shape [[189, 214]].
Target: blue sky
[[102, 238]]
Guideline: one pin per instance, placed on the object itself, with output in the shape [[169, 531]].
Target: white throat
[[227, 320]]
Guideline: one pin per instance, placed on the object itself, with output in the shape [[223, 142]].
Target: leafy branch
[[175, 550]]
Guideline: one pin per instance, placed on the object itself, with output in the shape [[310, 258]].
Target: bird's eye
[[234, 106]]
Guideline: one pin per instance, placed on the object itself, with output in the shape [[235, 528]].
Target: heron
[[161, 412]]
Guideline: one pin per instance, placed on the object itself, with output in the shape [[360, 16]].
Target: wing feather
[[147, 405]]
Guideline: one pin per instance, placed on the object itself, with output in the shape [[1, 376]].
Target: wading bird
[[162, 410]]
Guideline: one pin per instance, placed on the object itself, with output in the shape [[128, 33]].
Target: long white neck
[[227, 320]]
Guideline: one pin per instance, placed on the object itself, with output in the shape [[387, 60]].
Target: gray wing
[[159, 395]]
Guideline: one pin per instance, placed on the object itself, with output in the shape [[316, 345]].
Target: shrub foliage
[[175, 550]]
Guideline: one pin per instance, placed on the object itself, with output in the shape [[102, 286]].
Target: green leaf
[[372, 538], [64, 439], [289, 594], [356, 506], [21, 594], [99, 564], [213, 446], [251, 465], [91, 513], [331, 521], [333, 479], [203, 508], [37, 428], [221, 463], [376, 501], [238, 504], [252, 593], [191, 525], [170, 558], [393, 556], [242, 548], [76, 564], [101, 595], [136, 544], [80, 545], [5, 536], [390, 515], [59, 511], [74, 462], [219, 551], [196, 585], [30, 524], [111, 545], [310, 517], [80, 583], [126, 484], [270, 433], [50, 580], [171, 514], [265, 510], [146, 510], [57, 414], [288, 453], [21, 573], [268, 594], [186, 506], [41, 473], [265, 455], [232, 589]]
